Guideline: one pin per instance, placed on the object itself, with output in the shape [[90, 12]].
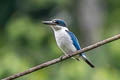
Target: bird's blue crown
[[60, 22]]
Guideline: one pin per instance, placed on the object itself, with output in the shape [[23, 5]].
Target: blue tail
[[86, 60]]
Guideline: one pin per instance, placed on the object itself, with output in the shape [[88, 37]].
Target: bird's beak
[[48, 22]]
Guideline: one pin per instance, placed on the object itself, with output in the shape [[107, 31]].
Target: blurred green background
[[25, 42]]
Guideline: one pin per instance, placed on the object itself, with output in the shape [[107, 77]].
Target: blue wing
[[76, 44], [74, 39]]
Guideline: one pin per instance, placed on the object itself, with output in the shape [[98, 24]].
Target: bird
[[66, 40]]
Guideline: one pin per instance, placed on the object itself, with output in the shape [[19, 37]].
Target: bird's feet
[[70, 55], [61, 57]]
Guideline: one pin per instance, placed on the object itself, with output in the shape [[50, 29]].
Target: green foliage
[[25, 42]]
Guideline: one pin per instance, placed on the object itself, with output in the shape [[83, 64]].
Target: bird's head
[[56, 24]]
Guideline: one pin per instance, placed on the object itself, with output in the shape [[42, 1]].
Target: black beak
[[48, 22]]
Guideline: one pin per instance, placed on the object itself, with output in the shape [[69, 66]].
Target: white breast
[[64, 41]]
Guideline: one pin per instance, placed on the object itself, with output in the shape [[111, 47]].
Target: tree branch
[[60, 59]]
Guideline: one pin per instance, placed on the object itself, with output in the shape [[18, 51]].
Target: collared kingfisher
[[66, 40]]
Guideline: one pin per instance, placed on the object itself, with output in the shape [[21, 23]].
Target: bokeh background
[[25, 42]]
